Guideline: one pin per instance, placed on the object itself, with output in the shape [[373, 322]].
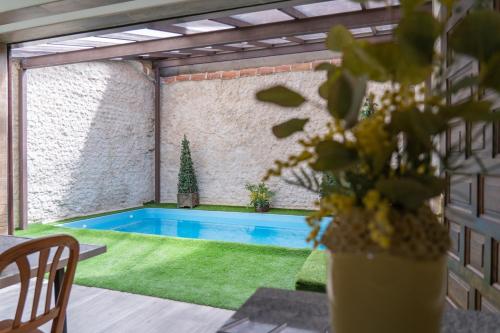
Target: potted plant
[[187, 186], [328, 181], [387, 249], [260, 197]]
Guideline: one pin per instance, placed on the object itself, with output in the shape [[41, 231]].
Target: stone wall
[[90, 139], [230, 132]]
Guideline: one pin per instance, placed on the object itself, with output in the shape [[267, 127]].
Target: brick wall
[[248, 72]]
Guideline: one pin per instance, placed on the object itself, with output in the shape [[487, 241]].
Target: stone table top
[[286, 311]]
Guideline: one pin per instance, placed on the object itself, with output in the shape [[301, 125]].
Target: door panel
[[472, 204]]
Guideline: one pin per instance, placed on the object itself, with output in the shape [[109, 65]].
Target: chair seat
[[8, 324]]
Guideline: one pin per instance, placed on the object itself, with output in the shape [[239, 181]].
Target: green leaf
[[340, 95], [416, 42], [334, 156], [339, 38], [420, 125], [289, 127], [478, 35], [464, 83], [471, 111], [325, 66], [396, 64], [490, 74], [281, 96], [410, 193], [409, 6], [345, 97], [324, 89], [360, 62]]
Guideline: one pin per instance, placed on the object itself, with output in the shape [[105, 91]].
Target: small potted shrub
[[187, 187], [260, 197]]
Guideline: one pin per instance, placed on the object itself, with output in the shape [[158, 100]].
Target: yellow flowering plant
[[260, 195], [384, 165]]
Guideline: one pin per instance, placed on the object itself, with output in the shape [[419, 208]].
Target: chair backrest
[[49, 250]]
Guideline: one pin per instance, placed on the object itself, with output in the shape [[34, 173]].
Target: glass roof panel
[[203, 26], [379, 4], [312, 36], [275, 41], [129, 36], [241, 45], [52, 48], [152, 33], [385, 28], [264, 17], [20, 53], [92, 42], [329, 8], [361, 31]]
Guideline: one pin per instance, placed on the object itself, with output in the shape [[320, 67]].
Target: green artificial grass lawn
[[214, 273], [312, 275]]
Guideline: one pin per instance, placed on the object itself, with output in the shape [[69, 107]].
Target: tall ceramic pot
[[383, 293]]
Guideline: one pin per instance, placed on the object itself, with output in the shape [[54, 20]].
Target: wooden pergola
[[168, 35]]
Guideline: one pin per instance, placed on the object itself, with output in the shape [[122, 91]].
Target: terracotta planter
[[385, 294], [187, 200]]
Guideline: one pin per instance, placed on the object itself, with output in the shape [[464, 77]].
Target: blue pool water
[[253, 228]]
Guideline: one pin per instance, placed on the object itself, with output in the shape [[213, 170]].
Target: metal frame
[[269, 52], [10, 173], [157, 161], [371, 17], [4, 119], [140, 18], [22, 149]]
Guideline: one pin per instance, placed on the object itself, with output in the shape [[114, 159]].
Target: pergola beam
[[232, 21], [295, 40], [282, 50], [379, 16], [171, 12], [167, 27], [290, 11], [250, 54]]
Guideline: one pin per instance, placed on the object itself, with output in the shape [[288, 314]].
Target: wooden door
[[472, 198]]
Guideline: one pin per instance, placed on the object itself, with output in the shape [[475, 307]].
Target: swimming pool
[[252, 228]]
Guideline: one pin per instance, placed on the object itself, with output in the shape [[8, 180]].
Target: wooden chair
[[46, 263]]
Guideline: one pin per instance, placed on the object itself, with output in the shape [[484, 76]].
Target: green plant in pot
[[387, 249], [187, 186], [260, 197], [329, 183]]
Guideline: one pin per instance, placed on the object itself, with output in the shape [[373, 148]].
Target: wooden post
[[10, 153], [23, 160], [4, 110], [157, 135]]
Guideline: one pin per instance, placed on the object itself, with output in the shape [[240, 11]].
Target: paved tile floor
[[94, 310]]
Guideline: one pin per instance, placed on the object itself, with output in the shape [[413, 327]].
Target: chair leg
[[57, 288]]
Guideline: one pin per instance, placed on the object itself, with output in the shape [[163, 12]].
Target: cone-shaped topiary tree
[[187, 179], [187, 186]]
